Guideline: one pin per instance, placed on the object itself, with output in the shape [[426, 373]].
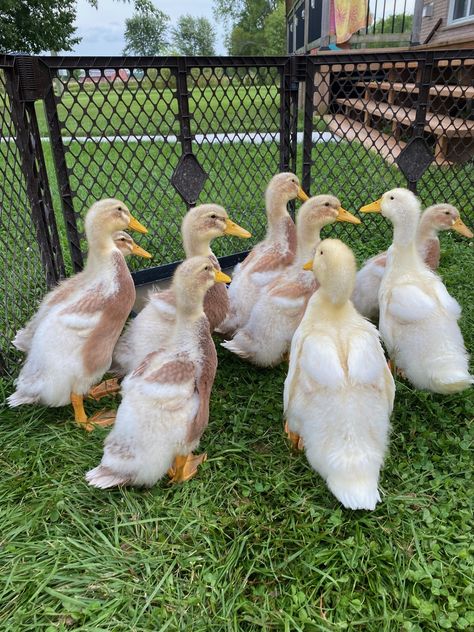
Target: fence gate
[[167, 133]]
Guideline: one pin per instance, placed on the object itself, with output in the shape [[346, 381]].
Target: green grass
[[255, 542]]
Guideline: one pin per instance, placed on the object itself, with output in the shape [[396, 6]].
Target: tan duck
[[266, 337], [436, 218], [154, 323], [165, 400], [73, 334], [269, 257]]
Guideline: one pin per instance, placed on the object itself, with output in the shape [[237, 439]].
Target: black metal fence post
[[33, 165], [308, 124], [289, 120], [62, 175]]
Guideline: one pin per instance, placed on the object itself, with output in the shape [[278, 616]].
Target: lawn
[[255, 542]]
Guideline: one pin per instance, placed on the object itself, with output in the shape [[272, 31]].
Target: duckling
[[434, 219], [153, 324], [165, 400], [339, 391], [266, 337], [269, 257], [72, 336], [418, 317], [127, 247]]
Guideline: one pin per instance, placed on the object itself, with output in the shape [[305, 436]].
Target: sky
[[102, 29]]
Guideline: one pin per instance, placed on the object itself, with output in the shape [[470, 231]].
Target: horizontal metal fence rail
[[166, 133]]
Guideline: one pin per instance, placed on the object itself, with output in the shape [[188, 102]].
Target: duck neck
[[101, 247], [329, 303], [404, 239], [307, 242], [196, 245], [277, 214]]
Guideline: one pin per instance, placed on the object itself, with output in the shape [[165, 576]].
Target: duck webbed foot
[[294, 438], [103, 418], [185, 467], [105, 388]]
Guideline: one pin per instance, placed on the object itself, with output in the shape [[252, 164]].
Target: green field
[[255, 541]]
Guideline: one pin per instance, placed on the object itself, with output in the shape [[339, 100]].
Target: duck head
[[444, 217], [191, 280], [282, 188], [127, 246], [204, 223], [321, 210], [334, 267], [396, 205], [108, 216]]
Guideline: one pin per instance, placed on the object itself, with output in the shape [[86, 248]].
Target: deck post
[[417, 19]]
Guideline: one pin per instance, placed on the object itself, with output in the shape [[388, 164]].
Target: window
[[461, 11]]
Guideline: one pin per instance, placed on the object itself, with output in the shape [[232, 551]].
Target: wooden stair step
[[458, 91], [440, 63], [438, 124], [387, 146]]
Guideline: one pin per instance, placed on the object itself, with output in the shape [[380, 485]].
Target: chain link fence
[[164, 134]]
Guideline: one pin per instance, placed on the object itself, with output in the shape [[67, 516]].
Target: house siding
[[446, 33]]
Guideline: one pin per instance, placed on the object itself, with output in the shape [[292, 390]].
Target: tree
[[393, 24], [254, 27], [194, 36], [145, 31], [32, 27]]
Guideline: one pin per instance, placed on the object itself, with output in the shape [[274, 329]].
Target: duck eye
[[321, 252], [120, 208], [327, 204], [446, 212], [391, 197], [213, 216]]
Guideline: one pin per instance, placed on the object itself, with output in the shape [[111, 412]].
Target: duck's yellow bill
[[231, 228], [460, 227], [345, 216], [140, 252], [134, 224], [302, 195], [374, 207], [220, 277], [308, 265]]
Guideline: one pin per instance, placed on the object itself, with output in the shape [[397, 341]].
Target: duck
[[145, 333], [266, 337], [339, 391], [126, 245], [435, 218], [71, 338], [267, 258], [165, 400], [418, 317]]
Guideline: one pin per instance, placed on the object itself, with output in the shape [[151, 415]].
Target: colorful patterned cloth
[[347, 17]]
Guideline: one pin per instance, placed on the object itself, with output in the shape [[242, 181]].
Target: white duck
[[339, 391], [71, 338], [165, 401], [418, 317], [266, 337], [433, 220], [269, 257], [154, 323]]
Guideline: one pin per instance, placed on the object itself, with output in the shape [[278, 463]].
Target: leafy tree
[[254, 27], [145, 31], [194, 36], [393, 24], [33, 26]]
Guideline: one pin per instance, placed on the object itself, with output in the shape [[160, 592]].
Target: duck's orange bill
[[231, 228], [345, 216], [220, 277], [308, 265], [460, 227], [134, 224], [374, 207], [140, 252], [302, 195]]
